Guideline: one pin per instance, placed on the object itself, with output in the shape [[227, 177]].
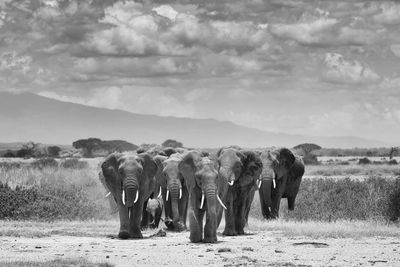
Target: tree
[[307, 148], [53, 151], [393, 150], [27, 150], [87, 146], [171, 143]]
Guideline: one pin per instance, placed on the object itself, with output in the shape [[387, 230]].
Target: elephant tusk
[[269, 208], [202, 201], [231, 183], [137, 196], [259, 184], [159, 194], [108, 194], [220, 202], [180, 193], [274, 183], [123, 197], [167, 195]]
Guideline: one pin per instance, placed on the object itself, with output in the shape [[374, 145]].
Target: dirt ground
[[257, 249]]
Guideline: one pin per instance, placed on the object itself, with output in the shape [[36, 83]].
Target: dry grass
[[34, 229], [338, 229], [352, 170]]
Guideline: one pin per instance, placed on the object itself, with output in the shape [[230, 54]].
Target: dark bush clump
[[310, 159], [393, 207], [392, 162], [364, 161], [9, 165], [74, 164], [43, 163]]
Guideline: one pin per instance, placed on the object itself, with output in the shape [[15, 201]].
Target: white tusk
[[159, 194], [274, 183], [167, 195], [259, 183], [180, 193], [137, 196], [202, 201], [231, 183], [269, 208], [108, 194], [123, 197], [220, 202]]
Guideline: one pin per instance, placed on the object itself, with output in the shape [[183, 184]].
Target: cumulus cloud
[[389, 14], [395, 48], [339, 70]]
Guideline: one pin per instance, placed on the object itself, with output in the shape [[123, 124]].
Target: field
[[57, 215]]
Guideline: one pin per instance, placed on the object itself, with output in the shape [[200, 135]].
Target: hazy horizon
[[314, 68]]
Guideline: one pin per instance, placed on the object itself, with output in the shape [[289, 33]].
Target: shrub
[[392, 162], [310, 159], [6, 166], [393, 207], [171, 143], [53, 151], [44, 163], [364, 161], [74, 164], [9, 154]]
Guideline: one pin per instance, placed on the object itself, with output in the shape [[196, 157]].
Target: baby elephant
[[154, 208]]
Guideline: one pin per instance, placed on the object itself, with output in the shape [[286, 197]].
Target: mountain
[[28, 116]]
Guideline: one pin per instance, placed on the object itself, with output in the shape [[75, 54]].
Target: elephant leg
[[157, 217], [183, 211], [248, 205], [277, 201], [124, 221], [134, 225], [210, 228], [146, 217], [229, 216], [195, 220], [167, 209], [291, 201], [240, 219]]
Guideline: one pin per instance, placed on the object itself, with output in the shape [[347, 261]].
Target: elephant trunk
[[130, 193], [266, 189], [175, 190], [228, 175], [211, 196]]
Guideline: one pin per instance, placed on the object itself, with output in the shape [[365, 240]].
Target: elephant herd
[[193, 184]]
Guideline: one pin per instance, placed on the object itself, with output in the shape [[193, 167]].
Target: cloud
[[390, 13], [339, 70], [395, 48]]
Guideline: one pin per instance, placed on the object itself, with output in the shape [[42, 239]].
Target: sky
[[312, 67]]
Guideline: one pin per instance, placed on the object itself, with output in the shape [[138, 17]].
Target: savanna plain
[[55, 213]]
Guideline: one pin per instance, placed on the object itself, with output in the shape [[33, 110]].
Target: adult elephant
[[240, 169], [130, 179], [173, 190], [280, 178], [204, 186]]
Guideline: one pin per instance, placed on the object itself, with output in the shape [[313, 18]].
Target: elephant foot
[[229, 232], [136, 235], [241, 232], [210, 239], [179, 227], [123, 235], [195, 237]]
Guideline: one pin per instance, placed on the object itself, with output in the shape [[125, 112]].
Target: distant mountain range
[[29, 117]]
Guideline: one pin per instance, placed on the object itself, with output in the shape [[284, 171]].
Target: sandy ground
[[257, 249]]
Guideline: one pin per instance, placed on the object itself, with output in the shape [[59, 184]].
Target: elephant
[[204, 186], [130, 179], [154, 207], [240, 169], [173, 190], [281, 177]]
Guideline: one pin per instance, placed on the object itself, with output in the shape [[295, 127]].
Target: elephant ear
[[110, 168], [188, 167], [168, 151], [148, 164], [286, 157], [252, 164], [160, 178]]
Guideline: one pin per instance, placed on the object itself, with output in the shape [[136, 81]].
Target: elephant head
[[204, 185], [240, 169], [174, 192], [130, 179], [280, 178]]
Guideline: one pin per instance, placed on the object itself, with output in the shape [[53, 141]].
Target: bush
[[74, 164], [393, 207], [310, 159], [364, 161], [44, 163], [172, 143], [6, 166], [9, 154], [392, 162]]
